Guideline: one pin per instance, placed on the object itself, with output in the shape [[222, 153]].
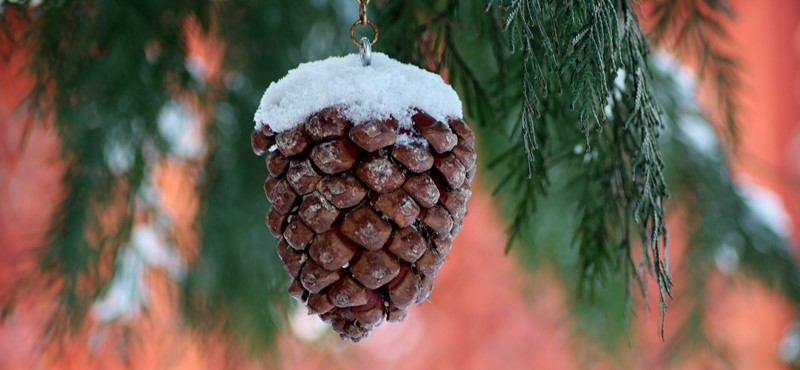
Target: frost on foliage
[[181, 128], [694, 128], [766, 205], [129, 291], [386, 88]]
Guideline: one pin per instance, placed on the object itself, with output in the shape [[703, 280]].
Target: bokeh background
[[487, 311]]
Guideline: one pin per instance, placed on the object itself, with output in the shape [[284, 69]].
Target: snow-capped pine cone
[[365, 214]]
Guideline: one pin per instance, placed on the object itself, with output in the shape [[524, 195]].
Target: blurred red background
[[474, 321]]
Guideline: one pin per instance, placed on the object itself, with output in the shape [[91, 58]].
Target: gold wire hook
[[363, 21], [362, 10]]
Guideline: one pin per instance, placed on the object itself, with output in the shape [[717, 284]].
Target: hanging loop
[[363, 21], [369, 23], [366, 52]]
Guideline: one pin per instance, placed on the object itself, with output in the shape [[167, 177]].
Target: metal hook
[[365, 52]]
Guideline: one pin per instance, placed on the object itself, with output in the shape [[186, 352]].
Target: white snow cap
[[387, 88]]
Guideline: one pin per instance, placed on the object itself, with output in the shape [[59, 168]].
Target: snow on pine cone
[[367, 213], [369, 176]]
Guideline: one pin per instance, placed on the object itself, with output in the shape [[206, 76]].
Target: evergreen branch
[[589, 44], [468, 79], [237, 283], [723, 227], [550, 77], [489, 97], [525, 22], [611, 197], [106, 90], [694, 29]]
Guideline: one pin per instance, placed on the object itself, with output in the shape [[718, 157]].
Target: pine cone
[[365, 219]]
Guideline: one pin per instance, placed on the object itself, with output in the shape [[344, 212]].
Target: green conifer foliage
[[580, 137]]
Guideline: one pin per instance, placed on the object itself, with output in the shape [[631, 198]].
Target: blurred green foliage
[[570, 113]]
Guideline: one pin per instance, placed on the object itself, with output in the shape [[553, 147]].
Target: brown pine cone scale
[[365, 220]]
